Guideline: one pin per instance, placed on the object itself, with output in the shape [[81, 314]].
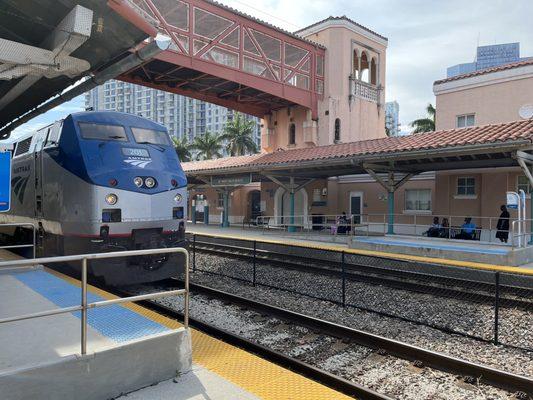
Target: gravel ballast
[[385, 374], [436, 310]]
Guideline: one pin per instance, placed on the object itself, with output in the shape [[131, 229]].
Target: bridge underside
[[163, 75], [224, 57]]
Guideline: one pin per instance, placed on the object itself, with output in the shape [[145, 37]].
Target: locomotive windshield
[[151, 136], [102, 132]]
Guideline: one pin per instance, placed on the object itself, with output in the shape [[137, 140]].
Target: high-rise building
[[181, 115], [487, 57], [392, 118]]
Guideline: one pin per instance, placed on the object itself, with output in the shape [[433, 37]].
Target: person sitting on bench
[[468, 230], [343, 226], [435, 229]]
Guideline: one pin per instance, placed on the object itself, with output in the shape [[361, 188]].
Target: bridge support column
[[225, 214], [292, 189], [390, 185], [390, 211], [292, 220]]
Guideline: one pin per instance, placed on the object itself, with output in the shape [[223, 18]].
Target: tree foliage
[[425, 124], [239, 136]]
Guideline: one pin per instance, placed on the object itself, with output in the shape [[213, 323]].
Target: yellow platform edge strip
[[253, 374], [381, 254]]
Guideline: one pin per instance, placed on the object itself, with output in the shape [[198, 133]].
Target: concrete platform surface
[[431, 251], [259, 234], [40, 357], [197, 384]]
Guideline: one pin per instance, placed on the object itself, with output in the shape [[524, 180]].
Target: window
[[337, 130], [317, 195], [418, 200], [102, 132], [466, 186], [53, 135], [523, 184], [220, 200], [151, 136], [23, 146], [292, 134], [464, 121]]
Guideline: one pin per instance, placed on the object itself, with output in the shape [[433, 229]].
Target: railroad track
[[448, 287], [335, 382], [473, 372]]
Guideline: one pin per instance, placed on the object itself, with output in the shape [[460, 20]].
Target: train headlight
[[138, 181], [111, 199], [149, 182], [177, 198]]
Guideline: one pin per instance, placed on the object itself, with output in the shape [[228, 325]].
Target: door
[[255, 204], [356, 202], [38, 168]]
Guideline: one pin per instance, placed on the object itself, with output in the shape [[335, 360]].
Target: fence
[[84, 306], [484, 229], [487, 305]]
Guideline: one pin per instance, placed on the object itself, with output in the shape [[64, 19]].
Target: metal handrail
[[415, 222], [20, 246], [520, 226], [84, 306]]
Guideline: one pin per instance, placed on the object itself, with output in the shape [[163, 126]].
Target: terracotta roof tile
[[500, 133], [486, 71]]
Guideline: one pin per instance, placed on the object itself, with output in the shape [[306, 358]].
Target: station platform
[[132, 352], [430, 251]]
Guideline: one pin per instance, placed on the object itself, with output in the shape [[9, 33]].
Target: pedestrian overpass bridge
[[227, 58], [215, 54]]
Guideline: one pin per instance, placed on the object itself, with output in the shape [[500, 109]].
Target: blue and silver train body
[[98, 182]]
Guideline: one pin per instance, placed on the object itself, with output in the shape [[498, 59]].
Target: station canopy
[[48, 45], [476, 147]]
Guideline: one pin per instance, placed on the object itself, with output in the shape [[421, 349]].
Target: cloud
[[425, 37], [75, 105]]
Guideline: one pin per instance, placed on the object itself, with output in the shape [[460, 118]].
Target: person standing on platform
[[503, 225]]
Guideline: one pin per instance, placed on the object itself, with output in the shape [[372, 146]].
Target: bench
[[455, 232]]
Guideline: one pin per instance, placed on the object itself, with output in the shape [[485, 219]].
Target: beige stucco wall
[[360, 119], [492, 103], [491, 187]]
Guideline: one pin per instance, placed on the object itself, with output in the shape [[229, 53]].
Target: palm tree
[[239, 134], [182, 147], [208, 145], [425, 124]]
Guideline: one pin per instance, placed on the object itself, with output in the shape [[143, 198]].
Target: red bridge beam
[[218, 42]]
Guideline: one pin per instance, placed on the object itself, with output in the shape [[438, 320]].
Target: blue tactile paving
[[435, 246], [114, 322]]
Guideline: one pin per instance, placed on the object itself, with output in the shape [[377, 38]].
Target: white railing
[[520, 235], [485, 228], [84, 306], [366, 91], [24, 245]]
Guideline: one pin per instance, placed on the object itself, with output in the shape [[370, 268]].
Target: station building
[[352, 110]]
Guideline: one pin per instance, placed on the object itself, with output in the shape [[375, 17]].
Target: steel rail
[[436, 360], [411, 280], [337, 383]]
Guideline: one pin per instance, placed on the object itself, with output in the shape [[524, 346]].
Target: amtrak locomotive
[[98, 182]]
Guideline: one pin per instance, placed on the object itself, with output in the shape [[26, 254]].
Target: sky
[[425, 37]]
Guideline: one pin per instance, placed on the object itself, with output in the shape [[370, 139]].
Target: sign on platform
[[235, 180], [512, 200], [5, 181]]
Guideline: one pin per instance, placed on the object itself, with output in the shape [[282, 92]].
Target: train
[[101, 182]]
